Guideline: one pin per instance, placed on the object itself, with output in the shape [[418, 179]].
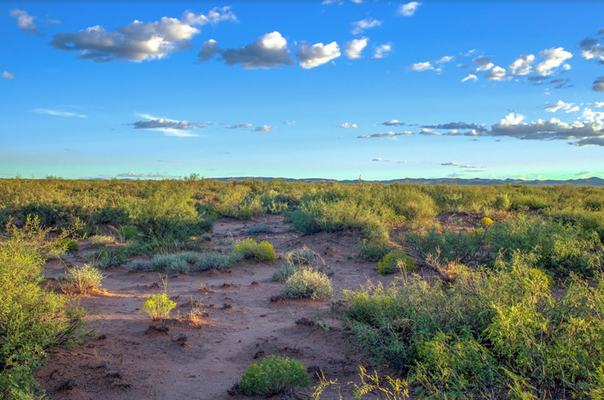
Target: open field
[[451, 291]]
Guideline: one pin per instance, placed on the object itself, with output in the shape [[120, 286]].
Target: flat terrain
[[130, 357]]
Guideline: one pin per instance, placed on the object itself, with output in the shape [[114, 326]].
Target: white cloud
[[384, 135], [263, 128], [7, 75], [290, 122], [428, 132], [421, 66], [560, 105], [239, 126], [58, 113], [143, 175], [355, 47], [554, 57], [269, 51], [599, 104], [382, 51], [590, 48], [407, 10], [393, 122], [444, 59], [523, 65], [139, 41], [496, 74], [348, 125], [362, 25], [470, 77], [483, 63], [169, 127], [26, 23], [317, 54]]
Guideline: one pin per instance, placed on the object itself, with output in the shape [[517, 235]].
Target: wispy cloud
[[263, 128], [169, 127], [26, 23], [8, 75], [239, 126], [470, 77], [382, 51], [348, 125], [384, 135], [58, 113], [560, 105], [421, 66], [408, 9], [393, 122], [364, 24]]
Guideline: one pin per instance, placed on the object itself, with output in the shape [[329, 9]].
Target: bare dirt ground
[[128, 359]]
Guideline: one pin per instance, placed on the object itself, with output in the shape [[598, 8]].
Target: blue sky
[[332, 89]]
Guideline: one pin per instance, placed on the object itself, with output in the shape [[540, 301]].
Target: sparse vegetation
[[101, 240], [252, 250], [395, 261], [80, 280], [308, 283], [158, 306], [273, 375]]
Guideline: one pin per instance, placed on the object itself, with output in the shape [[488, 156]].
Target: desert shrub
[[257, 230], [158, 306], [493, 333], [283, 273], [305, 256], [485, 222], [502, 202], [138, 264], [415, 206], [372, 251], [127, 232], [308, 283], [530, 201], [101, 240], [109, 257], [215, 260], [190, 257], [446, 246], [170, 263], [395, 261], [80, 280], [32, 320], [273, 375], [252, 250], [68, 245]]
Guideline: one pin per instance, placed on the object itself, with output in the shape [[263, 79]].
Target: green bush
[[272, 376], [305, 257], [138, 264], [80, 280], [308, 283], [502, 202], [170, 263], [158, 306], [127, 232], [372, 251], [101, 240], [252, 250], [284, 272], [32, 320], [395, 261], [109, 257], [216, 261], [68, 245]]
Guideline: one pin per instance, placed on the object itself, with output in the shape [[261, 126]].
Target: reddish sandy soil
[[126, 359]]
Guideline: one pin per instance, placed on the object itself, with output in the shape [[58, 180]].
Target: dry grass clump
[[80, 280]]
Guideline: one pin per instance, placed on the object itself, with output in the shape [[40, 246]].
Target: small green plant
[[101, 240], [138, 264], [68, 245], [308, 283], [395, 261], [170, 263], [127, 232], [109, 257], [252, 250], [80, 280], [283, 273], [257, 230], [273, 375], [373, 251], [158, 306], [305, 256], [215, 260]]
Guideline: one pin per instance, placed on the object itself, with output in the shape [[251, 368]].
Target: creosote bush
[[308, 283], [252, 250], [395, 261], [80, 280], [273, 375]]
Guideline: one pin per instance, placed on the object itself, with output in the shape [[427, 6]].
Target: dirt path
[[128, 360]]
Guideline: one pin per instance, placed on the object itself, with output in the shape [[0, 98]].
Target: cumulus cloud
[[554, 58], [599, 104], [263, 128], [355, 47], [168, 127], [239, 126], [393, 122], [560, 105], [348, 125], [407, 10], [598, 84], [269, 51], [382, 51], [591, 48], [362, 25], [26, 23], [496, 74], [317, 54], [58, 113], [139, 41], [421, 66], [428, 132], [7, 75], [444, 59], [483, 63], [470, 77], [523, 65], [384, 135]]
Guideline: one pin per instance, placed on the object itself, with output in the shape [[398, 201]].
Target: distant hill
[[442, 181]]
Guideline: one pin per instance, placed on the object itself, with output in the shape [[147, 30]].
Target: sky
[[302, 89]]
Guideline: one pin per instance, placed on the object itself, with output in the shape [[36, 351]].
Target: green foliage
[[80, 280], [395, 261], [127, 232], [32, 320], [252, 250], [273, 375], [216, 261], [502, 202], [109, 257], [101, 240], [170, 263], [68, 245], [308, 283], [372, 251], [283, 273], [158, 306]]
